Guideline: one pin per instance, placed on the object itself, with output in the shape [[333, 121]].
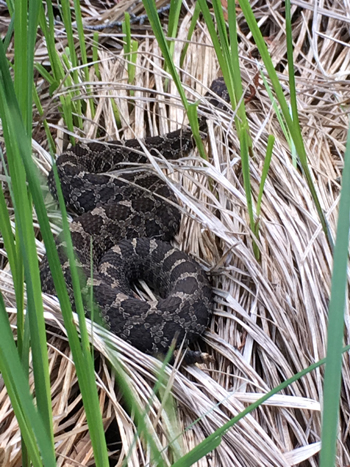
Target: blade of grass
[[265, 171], [127, 39], [134, 406], [224, 60], [138, 414], [15, 260], [12, 248], [21, 60], [226, 49], [9, 31], [335, 334], [153, 17], [33, 430], [133, 58], [95, 46], [191, 29], [173, 24], [81, 354], [71, 60], [50, 140], [130, 50], [81, 36], [19, 150], [47, 25], [81, 351], [83, 53], [206, 445], [25, 237], [278, 113], [245, 140], [293, 126], [19, 21], [26, 22], [244, 146], [6, 233]]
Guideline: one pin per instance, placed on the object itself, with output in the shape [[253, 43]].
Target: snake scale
[[131, 222]]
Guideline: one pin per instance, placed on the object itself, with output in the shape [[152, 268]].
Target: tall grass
[[16, 111], [35, 420]]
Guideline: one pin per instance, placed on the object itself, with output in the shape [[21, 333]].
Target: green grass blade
[[50, 140], [191, 29], [133, 59], [24, 224], [337, 306], [83, 53], [15, 260], [7, 235], [35, 435], [24, 39], [292, 87], [22, 80], [81, 35], [22, 159], [71, 61], [9, 32], [197, 453], [292, 126], [95, 46], [17, 147], [173, 23], [130, 50], [127, 39], [80, 350], [265, 171], [278, 112], [193, 119], [29, 45], [201, 450], [138, 414], [13, 112], [153, 17], [67, 20], [244, 146], [58, 75], [224, 62], [226, 49], [47, 25], [16, 264]]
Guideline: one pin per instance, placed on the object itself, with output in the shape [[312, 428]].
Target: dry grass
[[270, 318]]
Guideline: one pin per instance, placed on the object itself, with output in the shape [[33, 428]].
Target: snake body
[[130, 222]]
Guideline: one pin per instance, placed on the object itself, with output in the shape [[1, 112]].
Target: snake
[[121, 234]]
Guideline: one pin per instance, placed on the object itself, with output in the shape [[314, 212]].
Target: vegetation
[[260, 211]]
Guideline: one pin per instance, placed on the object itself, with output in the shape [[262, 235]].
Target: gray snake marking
[[130, 229]]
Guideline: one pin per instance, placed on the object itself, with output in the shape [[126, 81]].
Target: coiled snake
[[131, 222]]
